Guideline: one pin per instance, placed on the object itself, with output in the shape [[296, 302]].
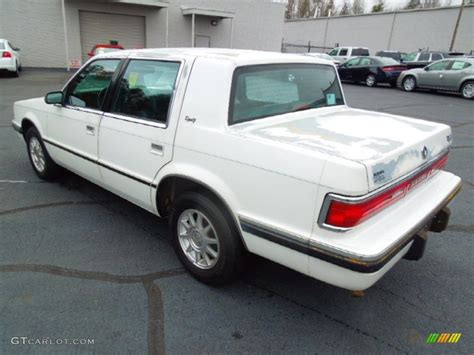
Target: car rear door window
[[89, 88], [436, 56], [460, 65], [343, 51], [352, 62], [365, 62], [360, 51], [424, 57], [442, 65], [146, 89]]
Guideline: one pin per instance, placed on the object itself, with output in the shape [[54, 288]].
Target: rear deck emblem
[[424, 152]]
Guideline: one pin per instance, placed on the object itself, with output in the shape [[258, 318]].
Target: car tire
[[467, 90], [16, 73], [409, 83], [41, 161], [370, 81], [205, 239]]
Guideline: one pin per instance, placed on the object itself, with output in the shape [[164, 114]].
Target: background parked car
[[371, 70], [456, 74], [344, 53], [324, 56], [104, 48], [10, 59], [422, 59], [398, 56]]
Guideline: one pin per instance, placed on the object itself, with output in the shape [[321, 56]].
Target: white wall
[[36, 26], [412, 30]]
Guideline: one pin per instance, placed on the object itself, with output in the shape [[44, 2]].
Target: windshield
[[273, 89]]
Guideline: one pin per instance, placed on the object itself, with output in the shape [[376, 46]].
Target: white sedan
[[10, 59], [248, 151]]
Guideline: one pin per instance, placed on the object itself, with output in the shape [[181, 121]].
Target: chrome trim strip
[[144, 122], [340, 257], [100, 163], [358, 199], [17, 127]]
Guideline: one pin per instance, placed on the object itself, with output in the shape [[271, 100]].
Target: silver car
[[455, 74]]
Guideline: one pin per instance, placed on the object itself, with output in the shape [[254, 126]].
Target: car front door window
[[89, 87], [439, 65]]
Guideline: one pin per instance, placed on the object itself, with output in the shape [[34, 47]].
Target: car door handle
[[157, 149], [90, 130]]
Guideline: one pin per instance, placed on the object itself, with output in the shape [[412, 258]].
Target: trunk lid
[[388, 146]]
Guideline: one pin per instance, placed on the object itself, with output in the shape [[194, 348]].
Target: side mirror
[[426, 68], [54, 98]]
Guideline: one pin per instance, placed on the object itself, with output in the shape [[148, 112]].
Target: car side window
[[146, 89], [442, 65], [352, 62], [88, 89], [334, 51], [365, 62], [460, 65], [436, 56], [343, 51], [424, 57]]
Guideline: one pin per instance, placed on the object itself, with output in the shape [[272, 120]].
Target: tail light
[[394, 68], [345, 213], [6, 54]]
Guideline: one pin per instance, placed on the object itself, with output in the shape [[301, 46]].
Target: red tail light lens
[[348, 214], [394, 68], [6, 54]]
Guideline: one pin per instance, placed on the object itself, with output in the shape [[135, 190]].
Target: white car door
[[73, 127], [136, 134]]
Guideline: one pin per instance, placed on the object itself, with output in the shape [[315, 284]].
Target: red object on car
[[6, 54], [104, 48]]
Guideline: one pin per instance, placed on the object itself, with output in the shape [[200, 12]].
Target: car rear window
[[260, 91], [387, 61], [360, 51], [2, 45]]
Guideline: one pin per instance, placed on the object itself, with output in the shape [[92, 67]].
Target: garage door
[[96, 27]]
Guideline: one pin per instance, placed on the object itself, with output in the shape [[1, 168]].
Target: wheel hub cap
[[468, 90], [37, 155], [198, 239]]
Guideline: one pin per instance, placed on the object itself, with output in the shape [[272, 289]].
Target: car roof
[[235, 56]]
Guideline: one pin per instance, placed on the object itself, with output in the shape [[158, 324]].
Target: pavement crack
[[91, 275], [50, 205], [156, 333], [331, 318], [461, 228], [462, 147]]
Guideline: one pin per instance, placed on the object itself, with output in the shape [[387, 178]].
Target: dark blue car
[[371, 70]]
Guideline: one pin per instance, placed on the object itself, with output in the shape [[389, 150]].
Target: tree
[[303, 8], [412, 4], [345, 9], [378, 7], [329, 9], [290, 10], [358, 7]]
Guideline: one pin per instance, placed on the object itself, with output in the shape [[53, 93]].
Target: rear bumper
[[358, 259], [7, 64]]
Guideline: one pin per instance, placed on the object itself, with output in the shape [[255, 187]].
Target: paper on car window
[[132, 79], [457, 65], [330, 99]]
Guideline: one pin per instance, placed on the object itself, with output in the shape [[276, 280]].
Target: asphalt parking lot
[[77, 262]]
